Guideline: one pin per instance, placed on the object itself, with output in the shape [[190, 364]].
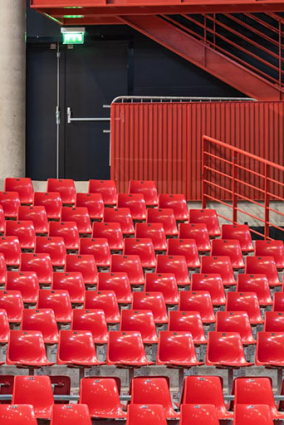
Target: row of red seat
[[199, 392]]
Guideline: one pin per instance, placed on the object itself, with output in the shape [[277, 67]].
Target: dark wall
[[115, 60]]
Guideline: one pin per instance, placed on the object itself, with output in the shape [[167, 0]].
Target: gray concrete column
[[12, 88]]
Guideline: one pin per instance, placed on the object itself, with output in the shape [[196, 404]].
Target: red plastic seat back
[[263, 265], [94, 202], [79, 215], [20, 414], [240, 232], [257, 283], [126, 348], [112, 232], [278, 301], [225, 349], [165, 283], [166, 217], [201, 414], [175, 264], [93, 321], [24, 231], [245, 301], [141, 321], [68, 231], [208, 217], [177, 203], [212, 283], [26, 348], [135, 202], [54, 246], [271, 248], [121, 216], [65, 187], [84, 264], [198, 232], [11, 249], [99, 248], [187, 248], [4, 330], [144, 248], [252, 414], [106, 188], [153, 301], [154, 231], [130, 264], [12, 302], [151, 414], [199, 301], [254, 390], [176, 348], [73, 282], [235, 321], [187, 321], [26, 283], [23, 186], [70, 414], [147, 188], [10, 203], [52, 203], [103, 300], [35, 214], [221, 265], [39, 263], [117, 282], [230, 248], [270, 349], [57, 300], [76, 348], [43, 321], [274, 321]]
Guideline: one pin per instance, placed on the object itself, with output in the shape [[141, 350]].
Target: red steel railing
[[229, 175]]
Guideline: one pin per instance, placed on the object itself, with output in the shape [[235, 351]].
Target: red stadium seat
[[147, 188], [141, 414], [58, 301], [198, 232], [2, 221], [126, 349], [26, 349], [199, 301], [235, 321], [230, 248], [54, 246], [263, 265], [71, 414], [99, 248], [79, 215], [66, 189], [245, 301], [43, 321], [39, 263], [11, 249], [73, 282], [187, 321], [241, 232], [164, 216], [19, 414], [68, 231], [24, 231], [106, 301], [12, 302], [177, 203], [153, 301], [142, 247], [76, 348], [130, 264], [52, 203], [175, 264], [258, 414], [4, 330], [10, 203], [176, 349], [278, 301], [35, 214], [274, 321], [153, 390], [23, 186], [187, 248], [26, 283], [221, 265], [154, 231], [101, 395], [271, 248], [270, 350], [199, 414], [135, 202], [84, 264], [257, 283], [165, 283], [121, 216], [3, 270], [94, 202], [208, 217], [112, 232], [202, 390], [118, 283], [140, 321], [250, 390], [225, 349], [211, 283], [106, 188], [93, 321]]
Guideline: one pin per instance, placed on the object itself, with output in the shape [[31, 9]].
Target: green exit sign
[[73, 35]]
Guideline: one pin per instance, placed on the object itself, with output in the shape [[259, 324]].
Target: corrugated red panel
[[163, 141]]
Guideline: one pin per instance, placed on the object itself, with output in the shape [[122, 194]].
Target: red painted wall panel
[[162, 141]]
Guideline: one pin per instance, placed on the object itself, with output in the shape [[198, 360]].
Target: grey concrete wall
[[12, 88]]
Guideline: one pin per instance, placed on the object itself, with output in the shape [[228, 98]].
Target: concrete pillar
[[12, 88]]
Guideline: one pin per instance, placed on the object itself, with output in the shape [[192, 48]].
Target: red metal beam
[[205, 57]]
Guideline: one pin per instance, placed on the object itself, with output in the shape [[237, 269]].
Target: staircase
[[244, 50]]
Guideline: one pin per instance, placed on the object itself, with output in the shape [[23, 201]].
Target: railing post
[[266, 202], [205, 28], [214, 30], [280, 55], [204, 173], [234, 189]]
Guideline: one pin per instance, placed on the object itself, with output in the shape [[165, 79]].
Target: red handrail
[[226, 179]]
